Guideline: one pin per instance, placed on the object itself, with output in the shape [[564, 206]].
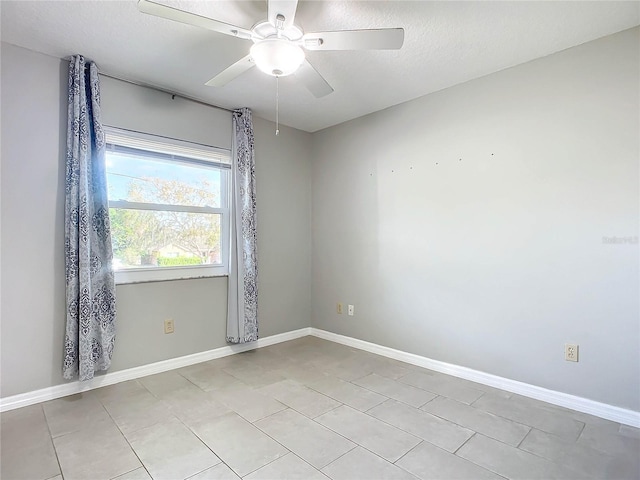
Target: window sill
[[149, 275]]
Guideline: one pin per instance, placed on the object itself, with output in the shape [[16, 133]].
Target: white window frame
[[187, 153]]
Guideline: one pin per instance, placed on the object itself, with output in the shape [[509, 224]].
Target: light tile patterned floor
[[310, 409]]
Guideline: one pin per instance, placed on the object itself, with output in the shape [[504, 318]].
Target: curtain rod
[[158, 89]]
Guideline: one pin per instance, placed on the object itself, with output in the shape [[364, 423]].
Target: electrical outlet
[[350, 310], [571, 352], [168, 325], [339, 308]]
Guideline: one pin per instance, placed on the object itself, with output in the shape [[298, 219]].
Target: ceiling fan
[[278, 44]]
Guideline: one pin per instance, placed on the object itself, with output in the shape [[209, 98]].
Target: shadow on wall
[[58, 280]]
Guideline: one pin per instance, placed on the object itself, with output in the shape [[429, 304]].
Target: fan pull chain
[[277, 105]]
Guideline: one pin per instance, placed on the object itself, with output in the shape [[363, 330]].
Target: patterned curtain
[[242, 316], [91, 304]]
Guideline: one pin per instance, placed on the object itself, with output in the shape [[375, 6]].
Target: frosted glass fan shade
[[277, 57]]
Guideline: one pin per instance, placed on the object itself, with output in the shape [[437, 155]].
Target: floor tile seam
[[376, 406], [265, 433], [373, 418], [429, 401], [499, 441], [53, 437], [289, 452], [221, 462], [268, 463], [381, 457], [538, 457], [465, 442], [407, 453], [301, 413], [240, 380], [53, 445], [352, 382], [356, 444], [210, 449], [471, 461], [477, 464], [418, 388], [544, 411], [508, 418], [466, 427], [421, 411], [323, 413], [477, 399], [584, 425], [284, 407], [198, 386], [440, 394], [476, 431], [450, 453], [402, 366], [388, 397], [130, 446], [575, 444], [525, 437], [337, 399], [378, 373]]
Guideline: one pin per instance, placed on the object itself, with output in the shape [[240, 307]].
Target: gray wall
[[32, 203], [467, 226]]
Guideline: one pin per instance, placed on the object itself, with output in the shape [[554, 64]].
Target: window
[[169, 207]]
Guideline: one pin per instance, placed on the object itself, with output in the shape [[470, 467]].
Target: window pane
[[145, 238], [142, 179]]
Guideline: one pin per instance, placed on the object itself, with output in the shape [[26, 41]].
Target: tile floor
[[310, 409]]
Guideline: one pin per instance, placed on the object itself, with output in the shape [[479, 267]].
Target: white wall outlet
[[571, 352], [350, 310], [339, 308], [168, 325]]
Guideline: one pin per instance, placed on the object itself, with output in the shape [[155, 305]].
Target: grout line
[[482, 395], [467, 427], [465, 442], [126, 439], [429, 401], [381, 421], [268, 463], [328, 411], [408, 452], [356, 445], [523, 438], [55, 450], [206, 445], [584, 426], [473, 462], [316, 469]]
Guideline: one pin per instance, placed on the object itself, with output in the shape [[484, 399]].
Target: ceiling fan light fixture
[[277, 56]]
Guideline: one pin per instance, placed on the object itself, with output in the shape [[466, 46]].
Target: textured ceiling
[[446, 43]]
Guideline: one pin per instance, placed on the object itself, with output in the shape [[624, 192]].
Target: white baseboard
[[603, 410], [57, 391], [580, 404]]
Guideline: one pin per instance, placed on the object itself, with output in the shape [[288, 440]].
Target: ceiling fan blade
[[374, 39], [311, 79], [286, 8], [170, 13], [229, 73]]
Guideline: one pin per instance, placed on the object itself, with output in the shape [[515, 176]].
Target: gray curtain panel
[[91, 301], [242, 316]]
